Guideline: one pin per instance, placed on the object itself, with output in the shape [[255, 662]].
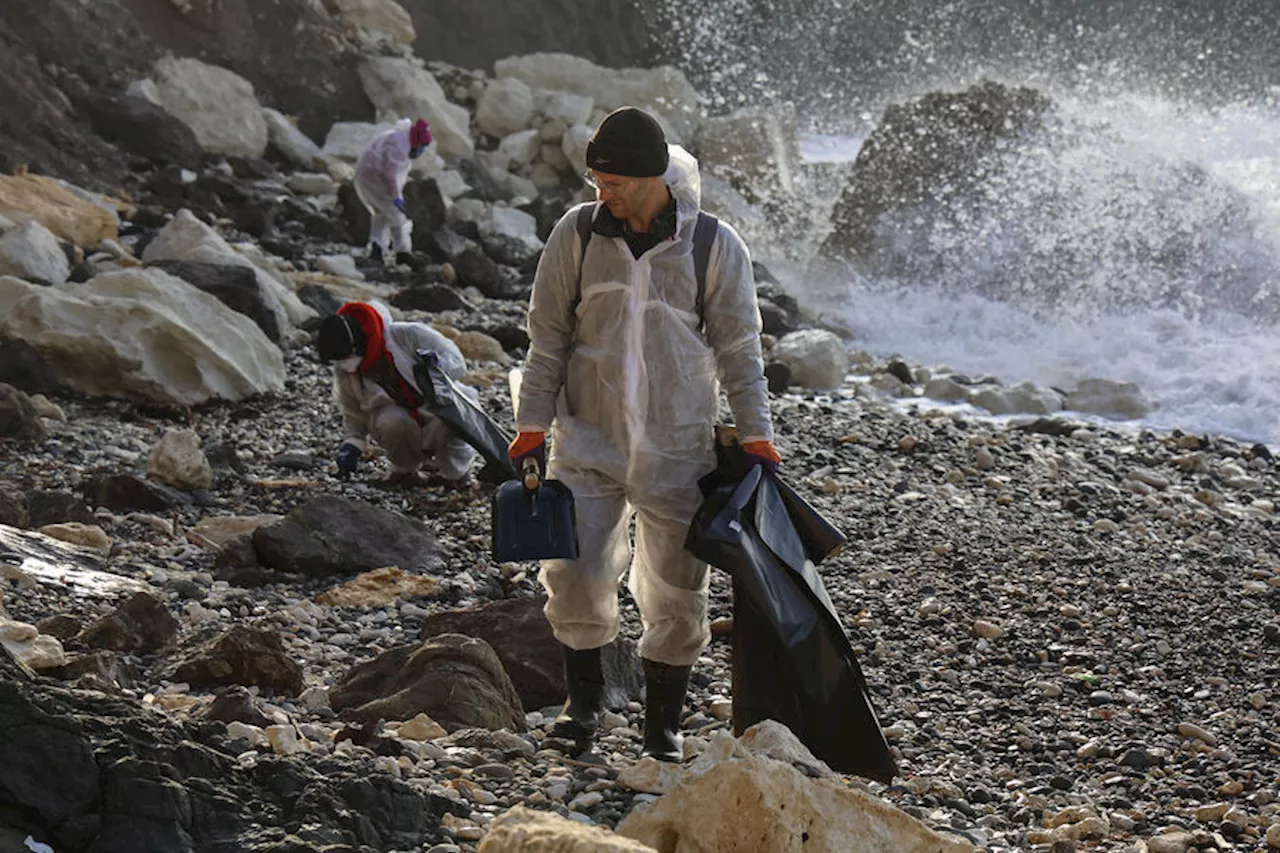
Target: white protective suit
[[632, 387], [381, 173], [368, 410]]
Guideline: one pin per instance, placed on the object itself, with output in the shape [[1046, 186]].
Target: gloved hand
[[399, 203], [529, 445], [348, 456], [762, 453]]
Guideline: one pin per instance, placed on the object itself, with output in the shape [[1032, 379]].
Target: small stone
[[1191, 730], [1238, 816], [85, 535], [1212, 812], [984, 459], [1273, 836], [908, 443], [722, 709], [588, 800], [421, 728], [987, 630], [1170, 842]]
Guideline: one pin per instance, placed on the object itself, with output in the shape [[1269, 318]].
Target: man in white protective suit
[[381, 172], [628, 351]]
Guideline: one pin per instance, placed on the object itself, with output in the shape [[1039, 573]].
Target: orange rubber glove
[[763, 453], [529, 445]]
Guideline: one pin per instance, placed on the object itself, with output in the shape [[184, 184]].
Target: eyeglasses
[[611, 187]]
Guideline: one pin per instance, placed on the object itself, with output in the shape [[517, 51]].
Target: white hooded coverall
[[368, 410], [632, 386], [381, 172]]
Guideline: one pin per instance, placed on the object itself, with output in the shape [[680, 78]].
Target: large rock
[[243, 289], [375, 21], [144, 128], [1109, 398], [26, 644], [817, 358], [665, 90], [399, 89], [187, 239], [142, 625], [128, 493], [291, 142], [751, 802], [144, 335], [524, 830], [519, 633], [243, 656], [71, 570], [22, 366], [32, 252], [24, 197], [178, 460], [332, 535], [457, 681], [19, 418], [505, 107], [218, 105]]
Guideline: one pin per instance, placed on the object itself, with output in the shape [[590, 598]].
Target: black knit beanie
[[338, 337], [629, 142]]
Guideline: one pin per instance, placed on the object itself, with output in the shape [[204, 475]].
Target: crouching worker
[[375, 388]]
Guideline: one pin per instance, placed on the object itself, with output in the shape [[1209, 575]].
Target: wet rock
[[520, 635], [142, 625], [243, 656], [332, 535], [458, 681], [19, 419]]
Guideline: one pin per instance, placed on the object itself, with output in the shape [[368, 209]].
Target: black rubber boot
[[584, 674], [664, 687], [375, 253]]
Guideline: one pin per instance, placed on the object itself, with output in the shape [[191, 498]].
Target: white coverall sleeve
[[419, 336], [355, 420], [551, 326], [733, 329]]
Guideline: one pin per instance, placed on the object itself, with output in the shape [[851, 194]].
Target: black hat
[[629, 142], [338, 337]]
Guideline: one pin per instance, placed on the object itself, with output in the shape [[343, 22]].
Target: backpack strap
[[586, 217], [704, 236]]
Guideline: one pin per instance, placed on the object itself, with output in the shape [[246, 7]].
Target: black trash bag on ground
[[791, 659], [447, 400]]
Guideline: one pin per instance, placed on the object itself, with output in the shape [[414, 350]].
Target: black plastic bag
[[445, 399], [791, 659]]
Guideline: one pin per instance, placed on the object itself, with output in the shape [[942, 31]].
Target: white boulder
[[505, 107], [566, 107], [144, 335], [218, 105], [178, 460], [521, 148], [1109, 398], [665, 89], [574, 147], [817, 358], [512, 224], [31, 251], [29, 646], [290, 141], [399, 89]]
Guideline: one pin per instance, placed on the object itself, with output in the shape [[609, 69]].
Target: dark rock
[[98, 670], [25, 369], [253, 169], [167, 183], [223, 457], [425, 205], [778, 375], [900, 369], [320, 299], [126, 492], [141, 127], [236, 705], [256, 218], [61, 625], [483, 186], [332, 535], [520, 635], [242, 656], [236, 287], [85, 771], [430, 297], [294, 460], [48, 507], [511, 252], [512, 336], [13, 506], [444, 244], [142, 625], [18, 417], [354, 215], [149, 216], [763, 275], [476, 270], [549, 207], [458, 681], [775, 321]]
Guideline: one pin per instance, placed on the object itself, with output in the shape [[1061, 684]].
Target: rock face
[[332, 535], [519, 633], [458, 681], [84, 771], [142, 335]]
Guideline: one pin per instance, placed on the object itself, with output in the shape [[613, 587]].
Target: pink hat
[[420, 134]]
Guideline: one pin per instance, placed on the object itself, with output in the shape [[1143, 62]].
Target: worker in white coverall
[[379, 397], [381, 173], [626, 371]]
